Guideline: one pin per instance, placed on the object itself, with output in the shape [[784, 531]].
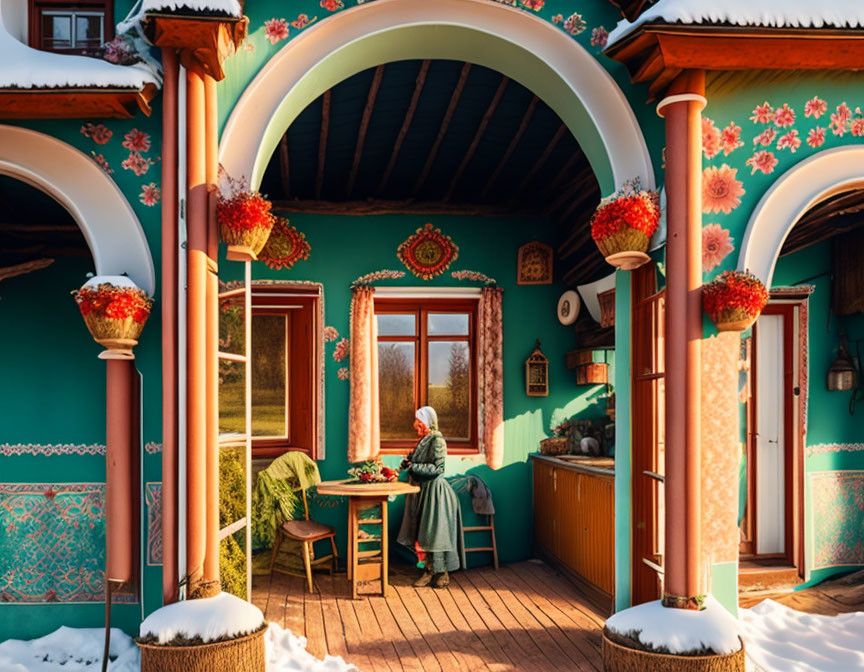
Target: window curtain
[[490, 376], [363, 414]]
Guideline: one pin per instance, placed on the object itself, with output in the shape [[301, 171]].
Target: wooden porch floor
[[524, 616]]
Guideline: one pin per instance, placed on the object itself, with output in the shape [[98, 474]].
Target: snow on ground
[[780, 639], [679, 630], [774, 13], [25, 68], [209, 618], [80, 650], [229, 7]]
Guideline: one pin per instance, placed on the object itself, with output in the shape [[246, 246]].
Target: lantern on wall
[[843, 374], [537, 373]]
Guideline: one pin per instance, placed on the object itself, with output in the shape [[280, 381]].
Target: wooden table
[[362, 497]]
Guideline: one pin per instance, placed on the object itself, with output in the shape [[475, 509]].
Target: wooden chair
[[306, 532], [490, 528]]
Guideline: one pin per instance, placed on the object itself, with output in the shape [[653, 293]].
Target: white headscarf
[[427, 416]]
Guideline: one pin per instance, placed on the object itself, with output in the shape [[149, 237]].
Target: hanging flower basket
[[244, 217], [624, 223], [734, 300], [285, 246], [114, 310]]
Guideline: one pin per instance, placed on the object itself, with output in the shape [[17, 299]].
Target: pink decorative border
[[151, 447], [824, 448], [153, 499], [48, 450]]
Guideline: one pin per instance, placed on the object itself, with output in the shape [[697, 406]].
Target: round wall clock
[[568, 307]]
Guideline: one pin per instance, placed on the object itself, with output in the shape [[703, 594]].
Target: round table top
[[357, 489]]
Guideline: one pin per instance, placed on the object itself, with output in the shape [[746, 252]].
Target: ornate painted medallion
[[428, 253], [285, 247]]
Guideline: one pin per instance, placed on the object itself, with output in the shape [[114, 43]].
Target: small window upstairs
[[71, 27]]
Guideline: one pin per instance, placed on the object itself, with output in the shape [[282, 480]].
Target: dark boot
[[442, 580], [424, 580]]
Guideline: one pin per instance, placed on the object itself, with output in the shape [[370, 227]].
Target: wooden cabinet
[[574, 524]]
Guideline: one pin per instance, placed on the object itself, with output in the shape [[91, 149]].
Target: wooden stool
[[485, 528], [375, 561], [307, 532]]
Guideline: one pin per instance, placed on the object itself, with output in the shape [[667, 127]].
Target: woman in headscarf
[[433, 519]]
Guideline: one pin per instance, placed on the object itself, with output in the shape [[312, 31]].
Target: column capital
[[681, 98]]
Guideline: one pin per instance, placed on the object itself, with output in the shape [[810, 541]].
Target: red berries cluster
[[734, 292], [245, 211], [117, 303], [640, 212]]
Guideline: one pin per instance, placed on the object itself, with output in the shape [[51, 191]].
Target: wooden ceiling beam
[[577, 184], [478, 136], [26, 267], [542, 159], [285, 166], [406, 124], [514, 142], [364, 127], [322, 142], [563, 174], [445, 124], [587, 197], [407, 206]]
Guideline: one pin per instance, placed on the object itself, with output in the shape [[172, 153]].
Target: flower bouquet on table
[[623, 224], [244, 217], [734, 300], [114, 310], [373, 471]]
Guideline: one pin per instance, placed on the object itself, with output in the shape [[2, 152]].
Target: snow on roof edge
[[230, 7], [767, 13]]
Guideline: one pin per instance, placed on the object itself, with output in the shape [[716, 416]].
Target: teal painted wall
[[623, 434]]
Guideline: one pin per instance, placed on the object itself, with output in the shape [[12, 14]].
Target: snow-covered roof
[[229, 7], [22, 67], [768, 13]]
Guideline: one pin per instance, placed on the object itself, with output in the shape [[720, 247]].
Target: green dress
[[432, 516]]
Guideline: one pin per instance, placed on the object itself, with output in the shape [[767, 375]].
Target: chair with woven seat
[[306, 532]]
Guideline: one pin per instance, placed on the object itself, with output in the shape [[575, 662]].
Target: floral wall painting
[[721, 191], [285, 246], [534, 265], [837, 518], [716, 245], [428, 253]]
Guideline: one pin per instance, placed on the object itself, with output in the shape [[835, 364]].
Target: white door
[[770, 442]]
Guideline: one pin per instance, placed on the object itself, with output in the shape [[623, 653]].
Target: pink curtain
[[363, 415], [490, 369]]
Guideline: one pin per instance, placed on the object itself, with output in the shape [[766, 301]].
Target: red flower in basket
[[115, 311], [734, 300], [244, 217], [624, 223]]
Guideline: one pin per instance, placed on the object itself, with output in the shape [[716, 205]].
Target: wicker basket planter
[[244, 217], [557, 445], [244, 654], [734, 300], [618, 658], [115, 312], [623, 225]]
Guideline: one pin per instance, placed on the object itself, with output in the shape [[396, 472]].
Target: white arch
[[526, 48], [74, 180], [801, 187]]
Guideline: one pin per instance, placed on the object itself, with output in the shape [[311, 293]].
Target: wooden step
[[760, 578]]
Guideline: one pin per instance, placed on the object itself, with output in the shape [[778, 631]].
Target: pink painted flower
[[558, 18], [721, 192], [98, 133], [575, 24], [343, 374], [857, 126], [790, 141], [599, 37], [716, 245], [763, 161], [784, 116], [730, 138], [330, 334], [763, 114], [137, 164], [710, 138], [275, 30], [816, 137], [766, 137], [332, 5], [150, 194], [302, 21], [536, 5], [840, 119], [815, 107], [342, 350], [136, 141], [103, 164]]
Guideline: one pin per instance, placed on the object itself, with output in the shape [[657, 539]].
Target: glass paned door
[[235, 448]]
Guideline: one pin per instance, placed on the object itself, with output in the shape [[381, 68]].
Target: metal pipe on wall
[[170, 572]]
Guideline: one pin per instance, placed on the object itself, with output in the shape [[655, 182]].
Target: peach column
[[196, 333], [211, 558], [120, 524], [682, 109], [170, 571]]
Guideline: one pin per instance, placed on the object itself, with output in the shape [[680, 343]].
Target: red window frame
[[421, 308], [34, 21]]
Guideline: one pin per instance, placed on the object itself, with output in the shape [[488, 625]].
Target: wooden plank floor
[[524, 616], [839, 596]]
